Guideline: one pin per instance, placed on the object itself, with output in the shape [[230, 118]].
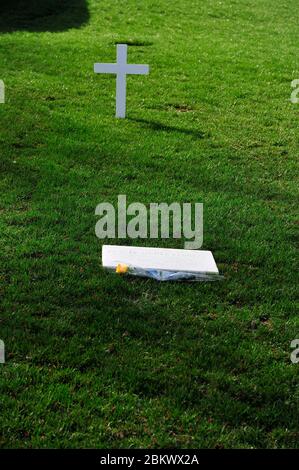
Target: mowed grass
[[97, 360]]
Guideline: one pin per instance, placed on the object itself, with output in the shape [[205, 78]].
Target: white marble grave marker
[[121, 69], [167, 259]]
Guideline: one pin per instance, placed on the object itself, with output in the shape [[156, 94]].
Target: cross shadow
[[158, 126], [42, 15]]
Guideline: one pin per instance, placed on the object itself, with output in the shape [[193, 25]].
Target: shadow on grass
[[42, 15], [158, 126]]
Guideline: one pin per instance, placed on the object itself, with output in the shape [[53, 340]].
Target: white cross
[[2, 92], [121, 69]]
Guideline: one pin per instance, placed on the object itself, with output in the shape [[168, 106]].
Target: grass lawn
[[98, 360]]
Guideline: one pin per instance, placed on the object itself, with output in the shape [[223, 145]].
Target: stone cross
[[121, 69]]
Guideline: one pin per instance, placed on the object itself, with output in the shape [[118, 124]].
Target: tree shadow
[[42, 15], [158, 126]]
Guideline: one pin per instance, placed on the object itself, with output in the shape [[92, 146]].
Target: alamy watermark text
[[174, 220], [295, 353], [2, 352]]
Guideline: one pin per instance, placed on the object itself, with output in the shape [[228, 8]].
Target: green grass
[[97, 360]]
